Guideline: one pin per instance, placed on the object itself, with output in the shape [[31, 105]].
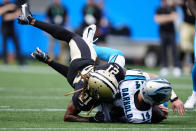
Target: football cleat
[[40, 55], [164, 72], [89, 33], [25, 17], [191, 102]]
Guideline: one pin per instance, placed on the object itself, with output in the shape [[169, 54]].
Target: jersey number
[[145, 117], [138, 84], [113, 70], [85, 100]]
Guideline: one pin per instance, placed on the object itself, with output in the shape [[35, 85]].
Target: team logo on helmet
[[103, 85]]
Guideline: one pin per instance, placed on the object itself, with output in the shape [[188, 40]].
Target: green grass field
[[31, 98]]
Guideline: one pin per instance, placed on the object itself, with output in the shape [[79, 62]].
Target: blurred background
[[126, 25]]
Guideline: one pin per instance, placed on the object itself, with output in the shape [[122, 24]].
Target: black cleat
[[25, 17]]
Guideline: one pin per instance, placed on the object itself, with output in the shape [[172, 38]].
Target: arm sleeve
[[110, 55], [62, 69]]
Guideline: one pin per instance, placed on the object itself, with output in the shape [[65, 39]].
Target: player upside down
[[82, 59]]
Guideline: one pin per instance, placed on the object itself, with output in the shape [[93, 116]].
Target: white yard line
[[2, 106], [41, 110], [28, 69], [32, 110], [35, 97], [97, 129], [180, 116], [62, 110]]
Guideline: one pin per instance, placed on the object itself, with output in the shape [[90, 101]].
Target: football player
[[140, 96], [82, 72], [75, 107], [191, 102]]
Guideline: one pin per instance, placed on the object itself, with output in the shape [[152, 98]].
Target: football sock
[[56, 31], [194, 66], [194, 77]]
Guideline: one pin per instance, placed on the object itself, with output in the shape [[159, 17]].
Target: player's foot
[[177, 72], [25, 17], [191, 102], [89, 33], [164, 71]]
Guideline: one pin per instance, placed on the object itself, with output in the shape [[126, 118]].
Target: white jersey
[[132, 83]]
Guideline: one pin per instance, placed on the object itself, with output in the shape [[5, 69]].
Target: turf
[[31, 98]]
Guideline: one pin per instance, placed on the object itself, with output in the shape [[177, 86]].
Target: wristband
[[172, 100]]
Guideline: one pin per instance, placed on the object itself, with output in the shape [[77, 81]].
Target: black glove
[[98, 118], [25, 17], [41, 56]]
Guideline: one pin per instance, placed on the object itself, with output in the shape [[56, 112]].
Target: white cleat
[[177, 72], [191, 102], [89, 33], [164, 72]]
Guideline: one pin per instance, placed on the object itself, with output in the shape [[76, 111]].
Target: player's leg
[[78, 47], [18, 50], [191, 102], [5, 37], [164, 44]]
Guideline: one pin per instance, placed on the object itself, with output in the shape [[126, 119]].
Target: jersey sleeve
[[110, 55]]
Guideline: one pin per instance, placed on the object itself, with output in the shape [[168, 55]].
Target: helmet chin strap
[[94, 66]]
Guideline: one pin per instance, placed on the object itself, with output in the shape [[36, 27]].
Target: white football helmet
[[156, 91], [103, 85]]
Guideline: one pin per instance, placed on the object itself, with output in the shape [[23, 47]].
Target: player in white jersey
[[129, 89], [131, 106]]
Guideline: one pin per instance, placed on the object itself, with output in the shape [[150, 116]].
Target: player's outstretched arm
[[177, 104], [192, 7], [43, 57], [72, 112]]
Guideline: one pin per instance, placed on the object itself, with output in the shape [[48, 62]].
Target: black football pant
[[168, 40]]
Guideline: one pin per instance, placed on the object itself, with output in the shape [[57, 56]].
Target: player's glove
[[25, 17], [98, 118], [41, 56]]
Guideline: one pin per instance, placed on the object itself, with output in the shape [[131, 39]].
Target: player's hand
[[10, 7], [41, 56], [178, 106], [98, 118]]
